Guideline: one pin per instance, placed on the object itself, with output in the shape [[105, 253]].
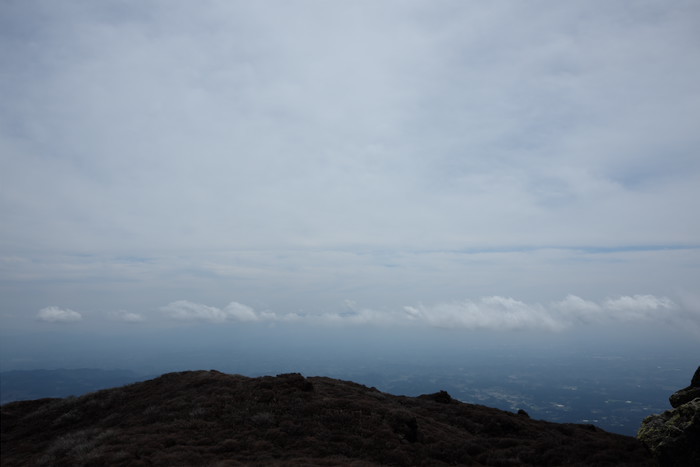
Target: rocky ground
[[674, 436], [212, 418]]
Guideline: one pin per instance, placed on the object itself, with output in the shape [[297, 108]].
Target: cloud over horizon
[[183, 310], [54, 314], [487, 313], [127, 317], [507, 313]]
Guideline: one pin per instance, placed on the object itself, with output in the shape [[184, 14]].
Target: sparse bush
[[69, 417], [77, 448]]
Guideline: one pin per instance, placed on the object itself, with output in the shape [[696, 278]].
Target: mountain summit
[[212, 418]]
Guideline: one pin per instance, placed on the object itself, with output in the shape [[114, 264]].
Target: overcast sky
[[479, 165]]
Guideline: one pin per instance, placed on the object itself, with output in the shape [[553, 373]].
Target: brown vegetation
[[211, 418]]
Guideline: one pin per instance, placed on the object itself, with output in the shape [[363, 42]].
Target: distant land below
[[602, 377], [213, 418], [614, 394], [37, 384]]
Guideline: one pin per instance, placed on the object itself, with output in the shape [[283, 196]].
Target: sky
[[498, 166]]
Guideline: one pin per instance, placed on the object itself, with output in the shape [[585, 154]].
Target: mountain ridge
[[214, 418]]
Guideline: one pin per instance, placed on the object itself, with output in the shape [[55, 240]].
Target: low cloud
[[627, 308], [506, 313], [183, 310], [127, 317], [54, 314], [356, 315], [487, 313], [493, 313], [640, 306], [575, 310], [240, 312]]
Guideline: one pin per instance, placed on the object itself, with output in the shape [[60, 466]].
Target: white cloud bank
[[507, 313], [183, 310], [54, 314], [491, 313], [486, 313], [127, 317]]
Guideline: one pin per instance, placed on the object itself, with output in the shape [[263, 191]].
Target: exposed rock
[[684, 396], [442, 397], [687, 394], [674, 436], [297, 381]]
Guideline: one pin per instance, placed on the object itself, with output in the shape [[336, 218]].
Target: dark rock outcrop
[[442, 397], [212, 418], [674, 436], [684, 395]]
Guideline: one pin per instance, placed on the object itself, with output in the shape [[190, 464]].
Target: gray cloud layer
[[391, 152], [308, 124]]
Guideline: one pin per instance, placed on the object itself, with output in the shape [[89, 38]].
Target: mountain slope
[[211, 418]]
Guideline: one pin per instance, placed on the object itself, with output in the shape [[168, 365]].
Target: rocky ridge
[[212, 418]]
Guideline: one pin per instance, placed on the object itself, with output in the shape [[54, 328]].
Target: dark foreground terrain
[[217, 419]]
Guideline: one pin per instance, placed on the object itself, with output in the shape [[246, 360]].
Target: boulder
[[674, 436], [684, 395]]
